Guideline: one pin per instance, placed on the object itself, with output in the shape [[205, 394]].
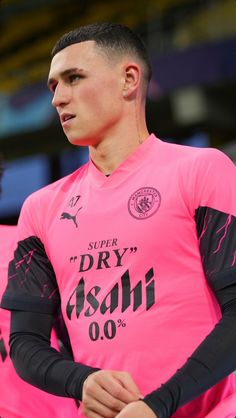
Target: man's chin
[[78, 141]]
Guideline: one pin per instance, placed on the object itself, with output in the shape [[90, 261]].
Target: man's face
[[87, 92]]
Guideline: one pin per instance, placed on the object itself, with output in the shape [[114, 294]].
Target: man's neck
[[109, 154]]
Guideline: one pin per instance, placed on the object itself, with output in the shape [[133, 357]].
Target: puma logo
[[66, 215]]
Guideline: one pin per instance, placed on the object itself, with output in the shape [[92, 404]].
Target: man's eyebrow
[[64, 73]]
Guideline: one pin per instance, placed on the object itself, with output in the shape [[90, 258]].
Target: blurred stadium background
[[192, 96]]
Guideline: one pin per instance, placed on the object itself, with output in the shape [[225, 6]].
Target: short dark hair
[[111, 36]]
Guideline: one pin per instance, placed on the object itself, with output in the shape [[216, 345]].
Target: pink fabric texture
[[226, 409]]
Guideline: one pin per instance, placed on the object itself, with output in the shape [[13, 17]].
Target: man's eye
[[74, 78]]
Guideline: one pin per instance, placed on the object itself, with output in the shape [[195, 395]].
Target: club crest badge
[[144, 203]]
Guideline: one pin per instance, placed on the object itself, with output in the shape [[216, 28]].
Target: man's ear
[[132, 79]]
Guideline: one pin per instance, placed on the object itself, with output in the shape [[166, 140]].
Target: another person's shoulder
[[8, 230], [8, 234]]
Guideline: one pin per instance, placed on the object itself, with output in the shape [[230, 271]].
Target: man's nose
[[61, 96]]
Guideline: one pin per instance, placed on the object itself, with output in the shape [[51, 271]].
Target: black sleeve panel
[[37, 362], [216, 231], [214, 359], [32, 284]]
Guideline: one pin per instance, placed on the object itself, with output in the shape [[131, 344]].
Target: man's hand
[[106, 392], [137, 409]]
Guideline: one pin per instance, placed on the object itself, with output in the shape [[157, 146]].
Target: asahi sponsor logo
[[120, 297]]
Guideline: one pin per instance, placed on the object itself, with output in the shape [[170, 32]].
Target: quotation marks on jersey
[[102, 259]]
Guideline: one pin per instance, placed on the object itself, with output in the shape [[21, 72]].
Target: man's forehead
[[75, 55]]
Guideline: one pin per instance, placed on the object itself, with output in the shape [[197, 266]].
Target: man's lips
[[65, 117]]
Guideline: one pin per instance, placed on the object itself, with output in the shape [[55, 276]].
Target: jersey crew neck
[[135, 160]]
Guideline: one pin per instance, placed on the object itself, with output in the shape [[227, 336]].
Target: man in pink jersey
[[19, 399], [137, 247]]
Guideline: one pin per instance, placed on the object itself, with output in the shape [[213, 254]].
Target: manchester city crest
[[144, 202]]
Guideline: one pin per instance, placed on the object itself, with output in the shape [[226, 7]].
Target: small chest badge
[[144, 202]]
